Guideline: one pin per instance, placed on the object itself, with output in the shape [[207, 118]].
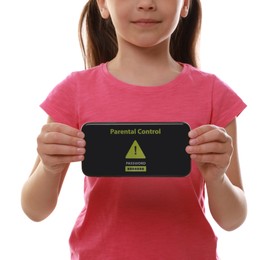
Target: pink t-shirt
[[143, 218]]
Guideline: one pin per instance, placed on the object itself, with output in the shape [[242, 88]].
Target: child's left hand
[[211, 148]]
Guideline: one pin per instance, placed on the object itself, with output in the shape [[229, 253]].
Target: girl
[[142, 59]]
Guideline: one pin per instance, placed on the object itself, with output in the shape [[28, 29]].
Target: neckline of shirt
[[131, 87]]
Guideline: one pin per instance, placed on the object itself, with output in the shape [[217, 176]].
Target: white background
[[39, 47]]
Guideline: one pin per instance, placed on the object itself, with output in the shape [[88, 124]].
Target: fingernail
[[81, 150], [188, 149], [80, 135], [81, 143], [192, 134], [192, 141]]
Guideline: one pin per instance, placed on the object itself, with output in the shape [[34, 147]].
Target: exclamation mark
[[135, 150]]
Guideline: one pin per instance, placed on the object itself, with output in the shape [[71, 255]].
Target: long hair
[[98, 39]]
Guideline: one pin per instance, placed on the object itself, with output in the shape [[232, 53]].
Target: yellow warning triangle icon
[[135, 152]]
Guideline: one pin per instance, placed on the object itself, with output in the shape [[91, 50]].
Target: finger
[[207, 148], [62, 128], [52, 161], [209, 134], [63, 150], [214, 159], [201, 130], [57, 133], [61, 138]]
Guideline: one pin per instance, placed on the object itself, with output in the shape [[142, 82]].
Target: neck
[[133, 64]]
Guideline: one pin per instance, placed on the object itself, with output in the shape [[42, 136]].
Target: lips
[[146, 21]]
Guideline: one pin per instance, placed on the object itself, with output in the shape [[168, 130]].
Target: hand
[[211, 148], [59, 145]]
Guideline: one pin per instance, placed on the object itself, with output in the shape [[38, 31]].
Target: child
[[142, 58]]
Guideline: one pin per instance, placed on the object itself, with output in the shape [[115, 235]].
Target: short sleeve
[[61, 103], [226, 104]]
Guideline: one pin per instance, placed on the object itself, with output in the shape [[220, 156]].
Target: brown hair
[[99, 43]]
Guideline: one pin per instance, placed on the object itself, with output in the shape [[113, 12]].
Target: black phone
[[136, 149]]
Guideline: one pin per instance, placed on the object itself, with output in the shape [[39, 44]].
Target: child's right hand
[[59, 145]]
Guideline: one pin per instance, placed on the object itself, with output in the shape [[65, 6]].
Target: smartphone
[[136, 149]]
